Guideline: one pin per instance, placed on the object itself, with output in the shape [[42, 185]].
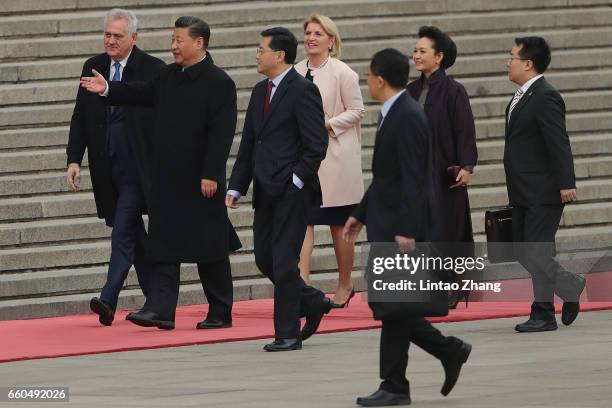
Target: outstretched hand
[[94, 84]]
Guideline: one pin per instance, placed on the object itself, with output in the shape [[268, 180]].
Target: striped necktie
[[116, 77], [515, 100]]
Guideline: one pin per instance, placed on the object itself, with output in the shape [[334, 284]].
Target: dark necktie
[[267, 100], [309, 75], [116, 77], [380, 119]]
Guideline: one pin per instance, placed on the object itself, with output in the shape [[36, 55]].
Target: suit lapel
[[386, 122], [278, 96], [506, 117], [521, 104], [258, 101], [105, 69]]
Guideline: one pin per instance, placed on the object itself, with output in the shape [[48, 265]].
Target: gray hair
[[121, 14]]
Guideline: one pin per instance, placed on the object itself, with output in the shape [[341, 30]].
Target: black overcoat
[[454, 144], [89, 123], [194, 125]]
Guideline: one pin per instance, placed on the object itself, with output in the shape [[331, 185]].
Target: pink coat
[[340, 173]]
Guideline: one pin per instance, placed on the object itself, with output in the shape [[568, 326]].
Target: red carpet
[[81, 334]]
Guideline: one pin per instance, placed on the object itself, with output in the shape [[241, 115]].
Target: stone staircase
[[53, 250]]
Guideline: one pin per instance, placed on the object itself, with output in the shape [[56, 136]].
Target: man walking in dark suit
[[118, 150], [396, 209], [540, 179], [194, 102], [283, 143]]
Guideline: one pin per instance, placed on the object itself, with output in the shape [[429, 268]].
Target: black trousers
[[533, 231], [279, 228], [216, 279], [395, 339]]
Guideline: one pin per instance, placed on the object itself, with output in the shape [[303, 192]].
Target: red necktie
[[267, 100]]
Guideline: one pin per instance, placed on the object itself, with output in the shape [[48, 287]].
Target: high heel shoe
[[345, 304], [457, 296]]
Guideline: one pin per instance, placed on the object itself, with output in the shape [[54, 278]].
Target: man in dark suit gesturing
[[396, 209], [195, 120], [283, 143], [540, 179], [118, 149]]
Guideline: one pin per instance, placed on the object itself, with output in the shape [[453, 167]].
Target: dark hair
[[197, 27], [441, 43], [535, 49], [282, 40], [392, 66]]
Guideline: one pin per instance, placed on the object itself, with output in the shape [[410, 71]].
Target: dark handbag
[[453, 172], [498, 227], [423, 304]]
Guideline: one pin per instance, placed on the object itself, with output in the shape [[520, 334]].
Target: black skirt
[[330, 215]]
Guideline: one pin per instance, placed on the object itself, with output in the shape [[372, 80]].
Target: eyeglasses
[[517, 58], [260, 51]]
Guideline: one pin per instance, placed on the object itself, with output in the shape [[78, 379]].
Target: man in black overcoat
[[283, 143], [195, 119], [395, 208], [118, 149], [540, 178]]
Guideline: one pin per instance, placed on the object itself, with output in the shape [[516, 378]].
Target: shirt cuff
[[105, 93], [298, 183], [234, 193]]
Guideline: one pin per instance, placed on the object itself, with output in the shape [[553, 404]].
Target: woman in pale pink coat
[[340, 173]]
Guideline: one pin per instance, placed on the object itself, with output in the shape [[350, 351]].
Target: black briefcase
[[498, 227]]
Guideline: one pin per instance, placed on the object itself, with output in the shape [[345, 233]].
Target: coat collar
[[524, 99], [437, 76], [194, 71], [135, 59]]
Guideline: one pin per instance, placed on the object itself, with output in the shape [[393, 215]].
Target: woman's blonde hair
[[330, 29]]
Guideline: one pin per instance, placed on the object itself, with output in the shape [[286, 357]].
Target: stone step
[[21, 7], [81, 203], [57, 114], [351, 29], [251, 13], [90, 279], [491, 197], [486, 174], [55, 159], [51, 182], [589, 144], [483, 107], [132, 298], [44, 232], [55, 181], [65, 205], [574, 215], [72, 254], [357, 54]]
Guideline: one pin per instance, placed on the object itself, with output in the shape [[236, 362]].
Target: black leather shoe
[[314, 316], [452, 368], [213, 324], [534, 326], [284, 345], [382, 398], [149, 319], [570, 310], [105, 312]]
